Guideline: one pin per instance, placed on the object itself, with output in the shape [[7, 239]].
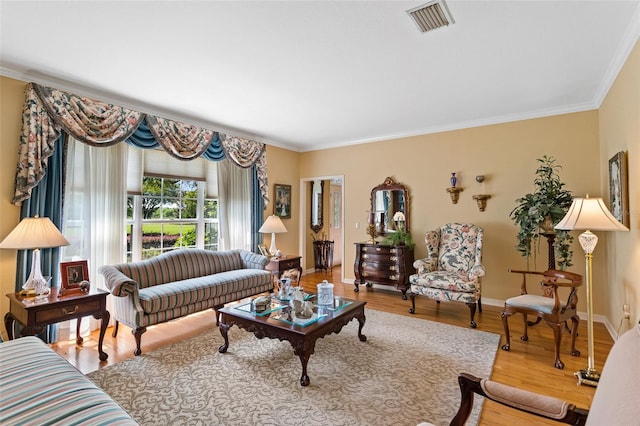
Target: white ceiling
[[316, 74]]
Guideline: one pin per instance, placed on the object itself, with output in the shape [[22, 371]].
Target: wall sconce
[[454, 191], [481, 199]]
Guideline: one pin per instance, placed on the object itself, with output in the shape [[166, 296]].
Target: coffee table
[[275, 323]]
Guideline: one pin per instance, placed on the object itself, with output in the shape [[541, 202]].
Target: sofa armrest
[[252, 260], [426, 265], [530, 402], [118, 283]]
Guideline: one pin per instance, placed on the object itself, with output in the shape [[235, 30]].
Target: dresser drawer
[[380, 250], [379, 258], [381, 276], [67, 311]]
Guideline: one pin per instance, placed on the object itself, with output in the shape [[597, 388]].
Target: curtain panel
[[47, 112]]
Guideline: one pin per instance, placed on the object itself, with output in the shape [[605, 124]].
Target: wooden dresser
[[383, 264]]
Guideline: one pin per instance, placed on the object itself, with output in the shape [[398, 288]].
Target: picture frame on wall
[[282, 202], [73, 274], [619, 187]]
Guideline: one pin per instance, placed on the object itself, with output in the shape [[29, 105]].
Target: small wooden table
[[35, 316], [302, 338], [282, 264]]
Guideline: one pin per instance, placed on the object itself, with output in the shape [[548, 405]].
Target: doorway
[[333, 219]]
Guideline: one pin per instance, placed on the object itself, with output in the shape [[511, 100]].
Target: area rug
[[405, 373]]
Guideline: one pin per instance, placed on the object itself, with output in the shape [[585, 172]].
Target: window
[[170, 213]]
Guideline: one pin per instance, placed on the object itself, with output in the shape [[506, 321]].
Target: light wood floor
[[529, 365]]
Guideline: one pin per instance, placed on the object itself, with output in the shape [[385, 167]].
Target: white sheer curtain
[[95, 208], [234, 206]]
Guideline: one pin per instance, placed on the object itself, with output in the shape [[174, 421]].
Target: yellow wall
[[282, 168], [11, 101], [506, 154], [620, 131]]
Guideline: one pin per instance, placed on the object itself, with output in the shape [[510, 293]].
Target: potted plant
[[399, 238], [541, 210]]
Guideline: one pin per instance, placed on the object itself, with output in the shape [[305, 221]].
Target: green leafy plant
[[399, 238], [549, 203]]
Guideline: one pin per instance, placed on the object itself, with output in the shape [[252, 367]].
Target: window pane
[[151, 186], [188, 237], [130, 207], [190, 210], [211, 236], [210, 209]]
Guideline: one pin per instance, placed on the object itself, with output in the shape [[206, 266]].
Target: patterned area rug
[[406, 372]]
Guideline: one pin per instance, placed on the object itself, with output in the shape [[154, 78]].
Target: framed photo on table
[[73, 273], [282, 202], [264, 250], [619, 187]]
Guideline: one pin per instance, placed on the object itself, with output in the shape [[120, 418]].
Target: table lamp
[[34, 233], [272, 225], [589, 214]]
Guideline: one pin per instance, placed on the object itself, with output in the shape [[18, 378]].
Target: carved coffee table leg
[[224, 329], [304, 379], [361, 319]]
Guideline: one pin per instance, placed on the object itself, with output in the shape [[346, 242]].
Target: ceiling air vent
[[431, 16]]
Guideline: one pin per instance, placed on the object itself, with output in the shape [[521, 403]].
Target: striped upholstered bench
[[38, 387], [182, 282]]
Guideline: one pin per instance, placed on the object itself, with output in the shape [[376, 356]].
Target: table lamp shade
[[273, 225], [33, 233]]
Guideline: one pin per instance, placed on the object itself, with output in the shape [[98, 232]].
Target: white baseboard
[[500, 303]]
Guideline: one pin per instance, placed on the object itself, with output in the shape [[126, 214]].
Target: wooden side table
[[282, 264], [35, 316]]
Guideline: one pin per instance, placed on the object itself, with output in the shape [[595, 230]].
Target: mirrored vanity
[[385, 264]]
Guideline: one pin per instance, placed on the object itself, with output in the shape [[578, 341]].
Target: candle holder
[[371, 231]]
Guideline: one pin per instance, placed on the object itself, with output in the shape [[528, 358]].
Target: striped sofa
[[181, 282], [38, 387]]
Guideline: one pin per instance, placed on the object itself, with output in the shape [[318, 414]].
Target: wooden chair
[[548, 307]]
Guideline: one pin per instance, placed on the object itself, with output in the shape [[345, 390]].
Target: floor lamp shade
[[589, 214], [34, 233], [273, 225]]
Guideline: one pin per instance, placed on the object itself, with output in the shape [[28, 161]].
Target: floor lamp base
[[589, 377]]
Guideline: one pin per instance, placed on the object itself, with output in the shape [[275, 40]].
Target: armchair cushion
[[444, 280]]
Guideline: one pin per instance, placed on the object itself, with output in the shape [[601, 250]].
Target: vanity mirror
[[387, 200], [317, 194]]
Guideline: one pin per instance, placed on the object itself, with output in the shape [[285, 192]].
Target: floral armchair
[[453, 267]]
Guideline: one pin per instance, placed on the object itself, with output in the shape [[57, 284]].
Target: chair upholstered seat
[[533, 302], [453, 267]]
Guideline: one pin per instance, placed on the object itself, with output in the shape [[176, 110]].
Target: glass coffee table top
[[280, 310]]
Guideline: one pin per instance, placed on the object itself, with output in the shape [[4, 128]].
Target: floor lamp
[[589, 214]]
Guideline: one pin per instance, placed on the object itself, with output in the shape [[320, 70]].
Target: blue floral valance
[[47, 112]]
